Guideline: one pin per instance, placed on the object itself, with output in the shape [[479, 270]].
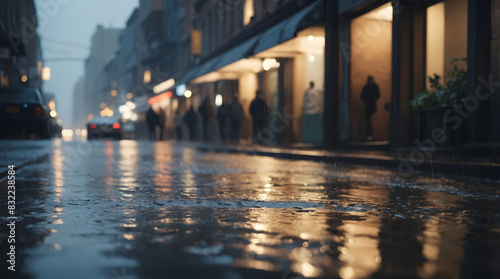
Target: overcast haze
[[66, 31]]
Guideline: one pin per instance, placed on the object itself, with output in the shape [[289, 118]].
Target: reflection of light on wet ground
[[434, 246], [254, 264], [57, 246], [268, 215], [127, 165], [306, 269], [128, 236], [359, 252], [162, 168]]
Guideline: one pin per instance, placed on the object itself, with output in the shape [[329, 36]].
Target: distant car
[[104, 127], [23, 113]]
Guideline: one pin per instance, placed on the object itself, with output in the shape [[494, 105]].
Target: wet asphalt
[[139, 209]]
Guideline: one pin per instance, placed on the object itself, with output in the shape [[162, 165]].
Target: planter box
[[428, 120]]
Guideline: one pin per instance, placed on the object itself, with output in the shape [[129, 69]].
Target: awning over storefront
[[283, 31], [276, 35]]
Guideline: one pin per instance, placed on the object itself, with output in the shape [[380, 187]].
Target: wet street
[[132, 209]]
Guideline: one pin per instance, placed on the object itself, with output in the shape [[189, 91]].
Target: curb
[[479, 170]]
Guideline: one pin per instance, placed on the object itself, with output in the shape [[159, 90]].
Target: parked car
[[104, 127], [23, 113]]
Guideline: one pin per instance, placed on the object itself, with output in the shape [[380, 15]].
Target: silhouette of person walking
[[152, 120], [206, 112], [222, 120], [236, 115], [191, 121], [258, 111], [369, 96]]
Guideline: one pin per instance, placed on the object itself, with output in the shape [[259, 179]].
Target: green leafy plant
[[443, 95]]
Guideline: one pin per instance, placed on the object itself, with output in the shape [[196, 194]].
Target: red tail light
[[38, 111], [116, 126], [93, 126]]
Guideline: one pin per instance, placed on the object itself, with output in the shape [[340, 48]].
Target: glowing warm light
[[107, 112], [147, 76], [218, 100], [78, 132], [346, 272], [83, 133], [159, 98], [114, 93], [45, 73], [270, 63], [164, 86], [52, 105], [53, 113], [310, 37], [312, 58], [129, 95], [93, 126], [116, 125], [130, 105], [128, 236], [103, 105], [24, 78], [67, 133], [188, 93], [90, 117], [133, 117]]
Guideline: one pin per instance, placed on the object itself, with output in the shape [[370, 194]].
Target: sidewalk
[[405, 162]]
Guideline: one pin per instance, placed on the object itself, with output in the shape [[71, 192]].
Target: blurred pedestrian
[[178, 122], [191, 121], [162, 118], [222, 120], [152, 121], [258, 111], [369, 96], [235, 115], [206, 113]]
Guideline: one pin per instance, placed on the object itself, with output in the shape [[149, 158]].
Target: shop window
[[248, 12], [370, 72], [446, 36]]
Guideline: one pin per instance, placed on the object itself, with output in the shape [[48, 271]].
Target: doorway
[[371, 56]]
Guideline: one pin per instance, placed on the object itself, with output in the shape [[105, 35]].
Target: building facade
[[21, 59], [104, 44]]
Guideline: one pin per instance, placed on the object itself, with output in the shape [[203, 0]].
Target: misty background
[[66, 30]]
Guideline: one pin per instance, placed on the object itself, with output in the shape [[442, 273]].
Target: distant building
[[105, 42], [80, 114], [20, 51]]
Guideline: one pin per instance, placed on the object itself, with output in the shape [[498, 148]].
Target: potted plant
[[432, 104]]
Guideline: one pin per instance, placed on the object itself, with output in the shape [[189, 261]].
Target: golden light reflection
[[57, 246], [163, 170], [255, 264], [346, 272], [306, 269], [128, 236], [360, 251], [58, 222], [127, 164], [438, 240]]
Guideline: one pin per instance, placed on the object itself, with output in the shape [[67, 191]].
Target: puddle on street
[[127, 209]]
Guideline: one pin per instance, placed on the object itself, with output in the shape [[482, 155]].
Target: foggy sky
[[66, 28]]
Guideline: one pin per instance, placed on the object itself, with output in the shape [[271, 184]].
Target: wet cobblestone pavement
[[128, 209]]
